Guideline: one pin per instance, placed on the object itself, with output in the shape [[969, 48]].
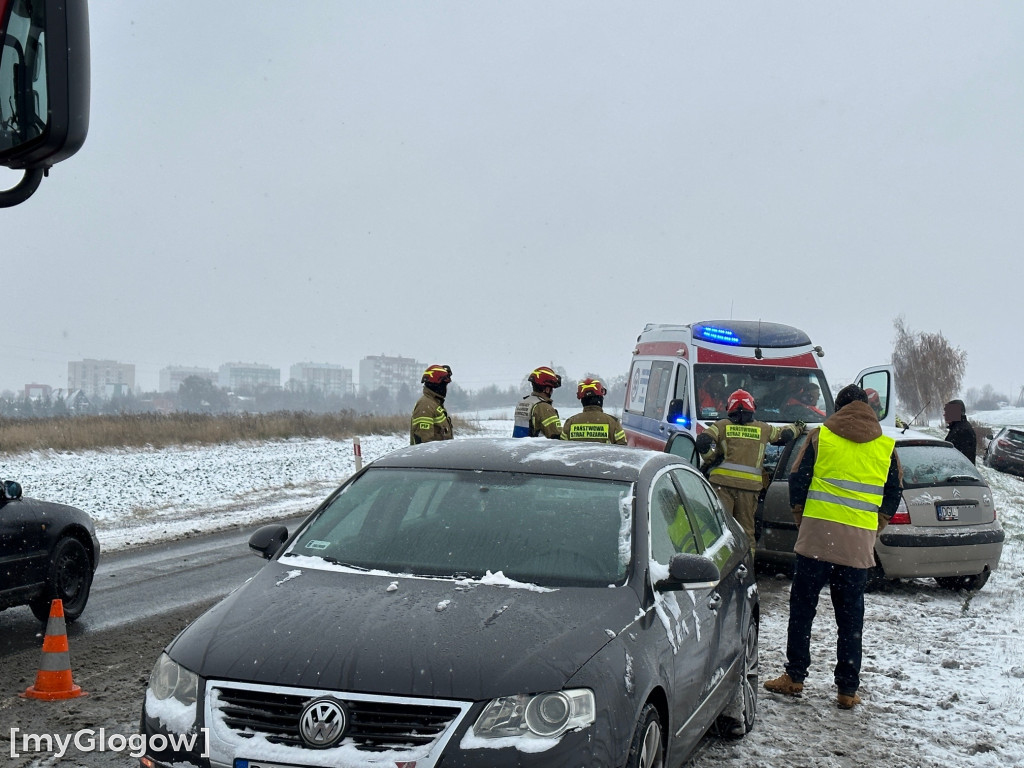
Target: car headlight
[[170, 679], [541, 715]]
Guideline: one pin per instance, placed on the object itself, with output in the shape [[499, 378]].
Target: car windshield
[[781, 394], [540, 529], [932, 464]]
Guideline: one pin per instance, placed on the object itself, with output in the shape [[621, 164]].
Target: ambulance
[[681, 375]]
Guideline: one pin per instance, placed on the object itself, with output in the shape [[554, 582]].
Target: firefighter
[[430, 420], [593, 425], [535, 415], [874, 401], [734, 449]]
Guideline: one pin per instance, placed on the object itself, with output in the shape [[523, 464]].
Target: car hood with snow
[[401, 635]]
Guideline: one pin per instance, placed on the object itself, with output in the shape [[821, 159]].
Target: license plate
[[946, 512], [240, 763]]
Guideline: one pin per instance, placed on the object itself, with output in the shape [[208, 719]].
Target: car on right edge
[[945, 528], [1005, 451]]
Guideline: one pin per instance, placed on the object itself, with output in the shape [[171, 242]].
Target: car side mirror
[[44, 88], [687, 571], [266, 541], [12, 490]]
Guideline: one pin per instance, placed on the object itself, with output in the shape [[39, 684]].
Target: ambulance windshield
[[781, 394]]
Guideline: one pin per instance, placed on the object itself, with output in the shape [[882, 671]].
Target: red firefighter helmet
[[545, 377], [590, 388], [741, 399], [874, 400], [437, 374]]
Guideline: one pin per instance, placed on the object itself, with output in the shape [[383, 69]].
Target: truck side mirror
[[44, 88], [676, 410]]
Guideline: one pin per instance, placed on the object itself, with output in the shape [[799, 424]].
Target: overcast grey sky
[[498, 185]]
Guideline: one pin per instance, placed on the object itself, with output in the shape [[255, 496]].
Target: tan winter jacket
[[828, 540]]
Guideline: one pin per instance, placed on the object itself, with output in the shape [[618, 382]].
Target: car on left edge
[[47, 551], [478, 602]]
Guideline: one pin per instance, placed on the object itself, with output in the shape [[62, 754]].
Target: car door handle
[[714, 601]]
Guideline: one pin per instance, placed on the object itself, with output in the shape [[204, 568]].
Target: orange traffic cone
[[53, 680]]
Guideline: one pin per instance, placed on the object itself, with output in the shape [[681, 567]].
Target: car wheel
[[970, 583], [70, 580], [737, 720], [647, 749]]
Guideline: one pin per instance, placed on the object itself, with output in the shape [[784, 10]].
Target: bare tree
[[929, 370]]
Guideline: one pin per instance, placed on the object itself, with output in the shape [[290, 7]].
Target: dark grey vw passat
[[478, 602]]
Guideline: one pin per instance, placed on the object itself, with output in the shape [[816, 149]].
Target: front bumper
[[232, 746]]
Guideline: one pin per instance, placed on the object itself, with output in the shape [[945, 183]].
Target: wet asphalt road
[[133, 585]]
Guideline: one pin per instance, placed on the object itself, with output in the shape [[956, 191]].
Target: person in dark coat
[[961, 434]]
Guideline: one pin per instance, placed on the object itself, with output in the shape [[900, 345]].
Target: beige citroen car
[[946, 527]]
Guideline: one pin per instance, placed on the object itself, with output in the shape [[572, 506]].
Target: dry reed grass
[[78, 433]]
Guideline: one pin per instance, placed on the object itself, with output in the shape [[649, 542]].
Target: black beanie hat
[[849, 394]]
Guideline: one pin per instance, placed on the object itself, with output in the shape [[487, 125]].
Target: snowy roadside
[[143, 496]]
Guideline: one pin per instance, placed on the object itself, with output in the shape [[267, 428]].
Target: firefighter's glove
[[703, 443], [801, 427]]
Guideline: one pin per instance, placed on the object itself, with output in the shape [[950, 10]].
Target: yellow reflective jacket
[[848, 479]]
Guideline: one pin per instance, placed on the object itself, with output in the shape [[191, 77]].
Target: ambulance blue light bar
[[717, 335], [750, 333]]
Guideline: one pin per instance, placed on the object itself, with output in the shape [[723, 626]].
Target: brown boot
[[784, 685], [848, 702]]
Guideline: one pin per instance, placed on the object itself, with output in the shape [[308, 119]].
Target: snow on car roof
[[537, 455]]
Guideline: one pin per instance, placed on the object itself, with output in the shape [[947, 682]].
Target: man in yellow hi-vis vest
[[846, 487], [733, 448]]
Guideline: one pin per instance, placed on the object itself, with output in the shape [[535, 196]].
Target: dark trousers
[[846, 586]]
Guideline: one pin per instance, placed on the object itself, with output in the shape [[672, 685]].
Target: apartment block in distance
[[388, 372], [172, 376], [248, 377], [322, 377], [101, 379]]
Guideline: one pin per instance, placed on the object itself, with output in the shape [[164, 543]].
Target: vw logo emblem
[[323, 722]]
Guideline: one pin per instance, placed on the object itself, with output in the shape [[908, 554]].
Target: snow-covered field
[[943, 678]]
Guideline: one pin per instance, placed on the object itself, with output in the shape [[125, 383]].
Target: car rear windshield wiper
[[955, 479]]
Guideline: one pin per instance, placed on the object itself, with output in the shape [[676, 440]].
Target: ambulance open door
[[880, 380]]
